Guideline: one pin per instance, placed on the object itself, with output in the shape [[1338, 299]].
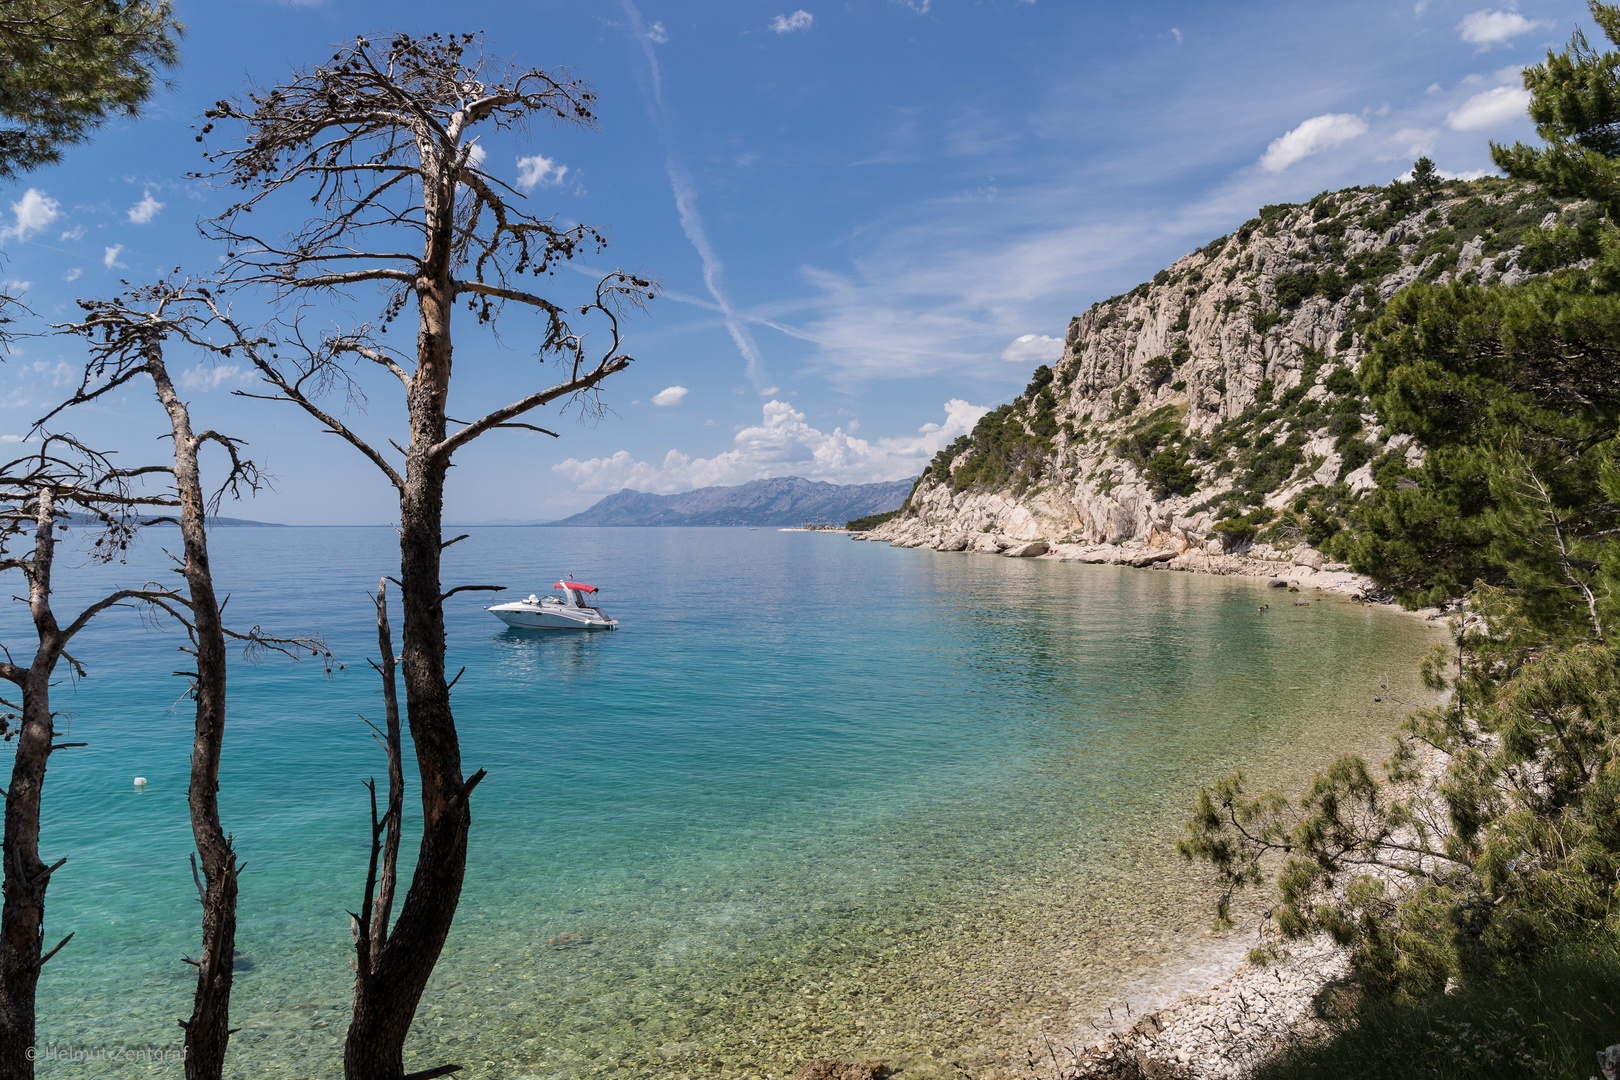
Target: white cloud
[[786, 24], [12, 439], [204, 378], [477, 154], [145, 210], [17, 288], [1414, 142], [35, 212], [73, 274], [1314, 135], [1489, 28], [1491, 109], [109, 258], [657, 33], [670, 395], [1176, 34], [539, 171], [782, 445], [1030, 349], [75, 233]]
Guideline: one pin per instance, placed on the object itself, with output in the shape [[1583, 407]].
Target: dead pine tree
[[371, 921], [126, 338], [38, 491], [383, 140]]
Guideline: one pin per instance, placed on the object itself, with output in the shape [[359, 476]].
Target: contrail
[[680, 183]]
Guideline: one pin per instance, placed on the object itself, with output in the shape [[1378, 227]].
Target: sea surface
[[815, 797]]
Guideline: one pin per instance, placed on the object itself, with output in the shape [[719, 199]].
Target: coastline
[[1220, 1033], [1294, 569]]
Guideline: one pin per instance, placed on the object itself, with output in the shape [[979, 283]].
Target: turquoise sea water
[[815, 797]]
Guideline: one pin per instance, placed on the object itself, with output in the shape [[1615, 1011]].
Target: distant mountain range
[[784, 500]]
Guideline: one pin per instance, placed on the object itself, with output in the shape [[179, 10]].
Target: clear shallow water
[[816, 797]]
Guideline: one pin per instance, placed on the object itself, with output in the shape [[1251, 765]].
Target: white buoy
[[140, 781]]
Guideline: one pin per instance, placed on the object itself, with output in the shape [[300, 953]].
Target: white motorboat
[[567, 612]]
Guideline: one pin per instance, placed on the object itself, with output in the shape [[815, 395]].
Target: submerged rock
[[1117, 1057], [833, 1069]]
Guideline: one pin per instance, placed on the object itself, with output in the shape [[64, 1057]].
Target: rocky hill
[[785, 500], [1217, 405]]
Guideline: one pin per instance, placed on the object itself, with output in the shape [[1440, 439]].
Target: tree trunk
[[382, 906], [208, 1030], [386, 998], [22, 917]]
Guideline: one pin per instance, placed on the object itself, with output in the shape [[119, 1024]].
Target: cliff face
[[1223, 391]]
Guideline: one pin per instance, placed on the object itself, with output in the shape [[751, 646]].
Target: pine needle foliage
[[69, 65]]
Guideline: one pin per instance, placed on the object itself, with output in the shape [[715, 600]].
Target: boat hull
[[537, 617]]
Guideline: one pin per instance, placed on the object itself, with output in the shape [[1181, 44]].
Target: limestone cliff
[[1217, 404]]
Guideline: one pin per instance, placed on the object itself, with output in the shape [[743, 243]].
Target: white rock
[[1307, 557]]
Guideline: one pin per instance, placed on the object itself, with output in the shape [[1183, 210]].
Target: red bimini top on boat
[[574, 585]]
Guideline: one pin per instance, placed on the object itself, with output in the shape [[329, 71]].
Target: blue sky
[[872, 219]]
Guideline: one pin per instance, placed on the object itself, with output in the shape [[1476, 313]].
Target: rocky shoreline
[[1295, 569], [1221, 1033]]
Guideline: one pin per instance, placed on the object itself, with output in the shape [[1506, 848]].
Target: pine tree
[[1575, 102], [1426, 177], [68, 65]]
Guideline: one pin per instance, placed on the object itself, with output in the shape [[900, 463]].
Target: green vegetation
[[1235, 531], [1539, 1021], [1576, 110], [870, 521], [1007, 446], [1484, 855], [1170, 473], [1157, 371], [1143, 437], [70, 64], [1294, 289]]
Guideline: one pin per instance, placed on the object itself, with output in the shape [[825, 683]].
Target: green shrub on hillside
[[1563, 245], [1170, 473], [1144, 437], [1157, 371], [1295, 288], [1341, 381], [1008, 444]]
